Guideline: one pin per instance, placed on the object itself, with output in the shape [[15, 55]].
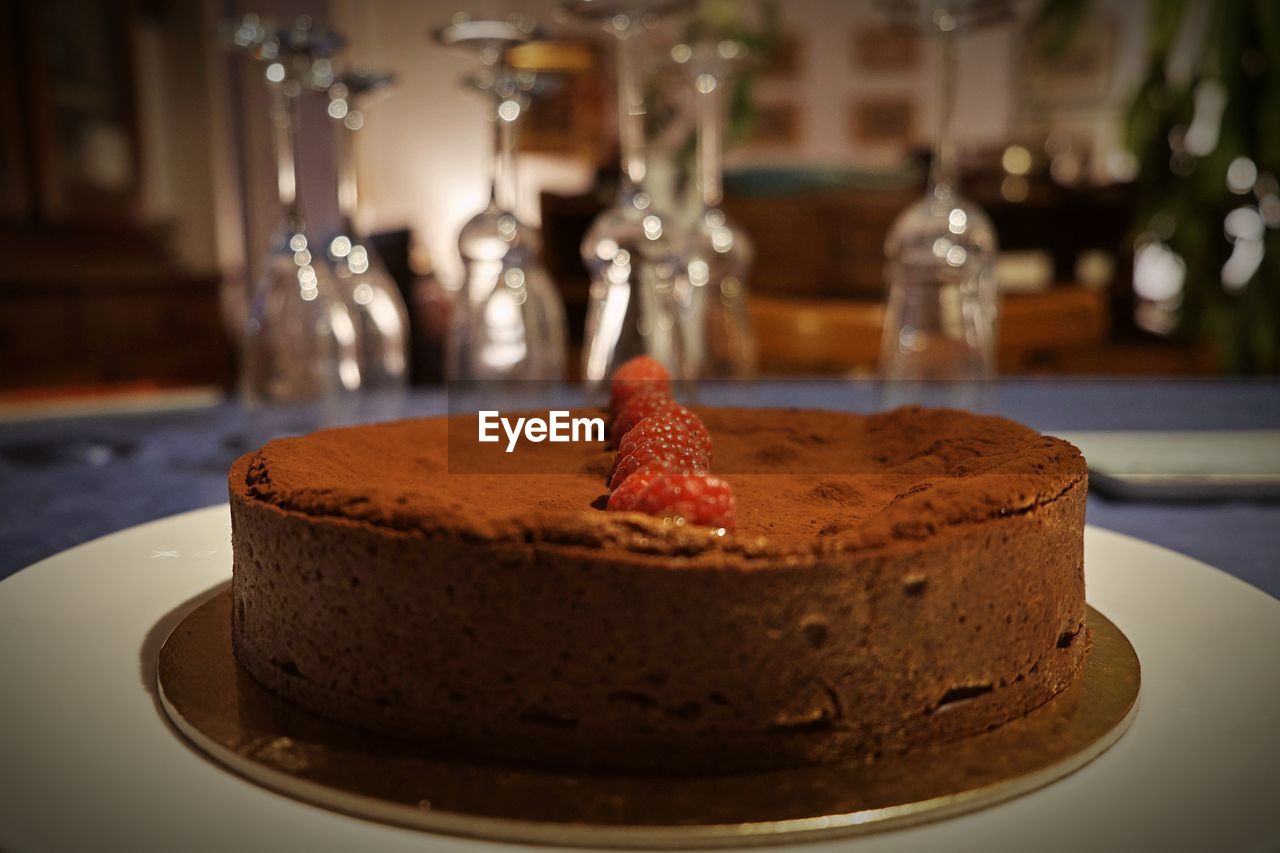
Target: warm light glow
[[507, 227], [1202, 134], [619, 272], [358, 259], [1245, 228], [1243, 223], [321, 73], [344, 332], [729, 49], [1016, 160], [509, 110], [1158, 273], [652, 227], [1242, 174], [606, 250], [699, 273], [505, 347], [1014, 189], [722, 239]]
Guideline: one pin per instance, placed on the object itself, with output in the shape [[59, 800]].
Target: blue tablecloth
[[69, 480]]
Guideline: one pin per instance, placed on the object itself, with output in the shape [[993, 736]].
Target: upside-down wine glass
[[630, 249], [300, 342], [940, 319], [508, 321], [379, 311], [718, 339]]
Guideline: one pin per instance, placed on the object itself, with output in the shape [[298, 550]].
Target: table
[[72, 479]]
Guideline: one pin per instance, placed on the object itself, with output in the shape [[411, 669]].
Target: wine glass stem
[[710, 114], [631, 110], [507, 111], [284, 123], [942, 173], [348, 184]]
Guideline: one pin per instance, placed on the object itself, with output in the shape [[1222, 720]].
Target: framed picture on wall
[[885, 50], [882, 120], [783, 61], [569, 118], [80, 135], [1078, 78], [776, 125]]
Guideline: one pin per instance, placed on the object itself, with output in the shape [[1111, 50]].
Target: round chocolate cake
[[893, 580]]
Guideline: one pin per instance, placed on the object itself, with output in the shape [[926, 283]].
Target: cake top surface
[[807, 482]]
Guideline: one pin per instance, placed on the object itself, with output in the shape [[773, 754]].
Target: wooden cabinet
[[1038, 332], [89, 294], [101, 310], [820, 245]]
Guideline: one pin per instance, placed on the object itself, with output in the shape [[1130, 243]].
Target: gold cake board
[[240, 724]]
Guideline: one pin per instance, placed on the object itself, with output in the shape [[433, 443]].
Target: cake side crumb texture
[[896, 580]]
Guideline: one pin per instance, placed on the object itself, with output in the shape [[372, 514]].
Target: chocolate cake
[[894, 580]]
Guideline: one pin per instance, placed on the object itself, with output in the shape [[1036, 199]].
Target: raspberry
[[689, 497], [625, 496], [639, 407], [672, 425], [635, 376], [676, 454]]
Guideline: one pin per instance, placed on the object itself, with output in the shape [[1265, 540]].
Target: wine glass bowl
[[377, 309], [630, 251], [512, 325], [605, 11], [374, 299], [489, 39], [633, 264], [941, 303], [718, 254], [300, 343], [939, 317], [524, 322], [508, 321]]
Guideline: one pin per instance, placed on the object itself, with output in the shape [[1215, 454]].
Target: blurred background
[[1126, 155]]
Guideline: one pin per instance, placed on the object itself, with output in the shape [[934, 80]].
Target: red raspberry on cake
[[675, 453], [639, 375], [672, 425], [639, 407], [624, 497], [689, 497]]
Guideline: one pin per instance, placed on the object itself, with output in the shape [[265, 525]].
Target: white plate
[[88, 763], [1240, 464]]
